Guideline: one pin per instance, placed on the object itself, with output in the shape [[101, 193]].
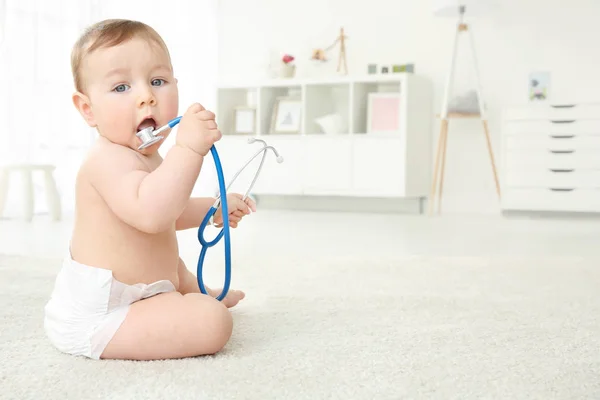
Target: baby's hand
[[198, 130], [237, 209]]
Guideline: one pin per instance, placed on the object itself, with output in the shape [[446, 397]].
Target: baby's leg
[[188, 283], [171, 325]]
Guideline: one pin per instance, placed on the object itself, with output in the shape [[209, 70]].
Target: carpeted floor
[[419, 328]]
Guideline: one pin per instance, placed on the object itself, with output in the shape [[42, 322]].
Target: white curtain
[[38, 123], [36, 116]]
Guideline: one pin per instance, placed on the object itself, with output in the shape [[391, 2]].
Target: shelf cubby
[[360, 100], [324, 100], [228, 99], [268, 95]]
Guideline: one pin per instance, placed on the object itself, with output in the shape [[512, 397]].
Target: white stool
[[26, 171]]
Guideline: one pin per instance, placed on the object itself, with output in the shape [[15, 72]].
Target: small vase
[[287, 70]]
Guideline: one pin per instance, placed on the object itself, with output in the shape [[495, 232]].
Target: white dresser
[[551, 158]]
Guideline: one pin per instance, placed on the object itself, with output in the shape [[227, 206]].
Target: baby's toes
[[233, 297], [237, 295]]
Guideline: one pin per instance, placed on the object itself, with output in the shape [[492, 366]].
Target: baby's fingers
[[236, 204], [233, 220], [206, 115], [215, 135], [251, 203], [237, 214], [195, 108], [211, 124]]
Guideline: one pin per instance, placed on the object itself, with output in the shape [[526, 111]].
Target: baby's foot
[[233, 296]]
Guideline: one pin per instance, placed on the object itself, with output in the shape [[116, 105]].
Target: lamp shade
[[451, 8]]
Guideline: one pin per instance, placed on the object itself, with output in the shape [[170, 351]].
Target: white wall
[[523, 36]]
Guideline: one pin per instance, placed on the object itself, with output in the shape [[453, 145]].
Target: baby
[[123, 292]]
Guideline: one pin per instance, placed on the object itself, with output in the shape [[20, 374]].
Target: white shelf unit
[[352, 163], [551, 157]]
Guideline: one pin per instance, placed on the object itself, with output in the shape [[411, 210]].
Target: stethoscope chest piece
[[148, 138]]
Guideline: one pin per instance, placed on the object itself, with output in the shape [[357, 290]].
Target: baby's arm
[[197, 208], [153, 201], [194, 212], [149, 201]]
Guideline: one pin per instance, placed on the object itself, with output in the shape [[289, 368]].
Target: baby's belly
[[133, 256]]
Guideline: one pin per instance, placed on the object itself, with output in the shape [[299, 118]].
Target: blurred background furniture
[[26, 171], [551, 157], [458, 9]]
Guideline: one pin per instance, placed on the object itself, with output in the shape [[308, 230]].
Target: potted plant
[[288, 68]]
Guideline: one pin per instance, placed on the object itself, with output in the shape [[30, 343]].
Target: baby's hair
[[108, 33]]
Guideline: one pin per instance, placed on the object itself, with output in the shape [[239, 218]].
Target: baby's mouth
[[146, 123]]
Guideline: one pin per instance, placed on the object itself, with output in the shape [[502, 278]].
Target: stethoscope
[[149, 136]]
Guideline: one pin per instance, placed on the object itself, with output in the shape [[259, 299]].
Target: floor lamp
[[458, 9]]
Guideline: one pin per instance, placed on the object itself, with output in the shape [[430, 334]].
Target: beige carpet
[[419, 328]]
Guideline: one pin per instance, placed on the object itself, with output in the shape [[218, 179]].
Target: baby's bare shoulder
[[107, 161]]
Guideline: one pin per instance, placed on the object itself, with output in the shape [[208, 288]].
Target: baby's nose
[[147, 98]]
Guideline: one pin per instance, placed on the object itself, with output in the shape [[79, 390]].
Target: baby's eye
[[157, 82], [121, 88]]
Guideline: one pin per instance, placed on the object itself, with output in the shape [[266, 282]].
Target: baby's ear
[[82, 104]]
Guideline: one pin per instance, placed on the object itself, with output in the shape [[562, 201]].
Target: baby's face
[[129, 87]]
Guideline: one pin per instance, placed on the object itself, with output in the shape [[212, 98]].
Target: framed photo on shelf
[[244, 120], [539, 86], [383, 112], [287, 115]]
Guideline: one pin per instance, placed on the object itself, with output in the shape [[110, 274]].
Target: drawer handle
[[561, 170], [563, 105], [562, 151], [562, 136], [562, 121], [562, 189]]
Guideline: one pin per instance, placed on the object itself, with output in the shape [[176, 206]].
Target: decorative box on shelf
[[551, 157], [333, 141]]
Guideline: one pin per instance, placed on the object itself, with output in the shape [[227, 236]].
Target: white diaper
[[88, 305]]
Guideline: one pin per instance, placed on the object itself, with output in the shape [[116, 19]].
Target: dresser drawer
[[554, 112], [555, 127], [548, 199], [552, 159], [538, 177], [552, 142]]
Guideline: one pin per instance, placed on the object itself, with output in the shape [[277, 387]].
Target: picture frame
[[287, 115], [539, 86], [244, 120], [383, 113]]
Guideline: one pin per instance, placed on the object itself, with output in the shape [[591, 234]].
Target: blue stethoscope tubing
[[222, 199], [224, 231]]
